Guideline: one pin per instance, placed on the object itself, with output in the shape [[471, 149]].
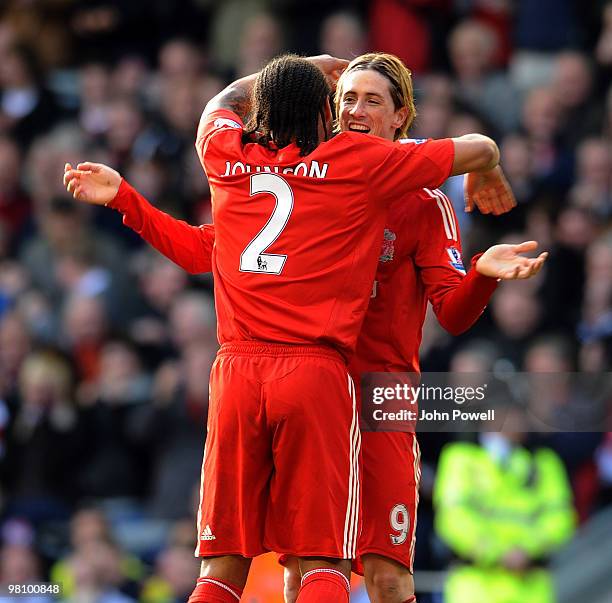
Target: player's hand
[[506, 263], [332, 67], [489, 191], [93, 183]]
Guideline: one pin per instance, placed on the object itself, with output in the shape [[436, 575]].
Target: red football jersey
[[296, 238], [420, 260]]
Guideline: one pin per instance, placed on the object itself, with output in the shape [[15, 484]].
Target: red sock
[[213, 590], [324, 585]]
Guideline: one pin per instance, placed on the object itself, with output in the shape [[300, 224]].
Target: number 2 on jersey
[[253, 258]]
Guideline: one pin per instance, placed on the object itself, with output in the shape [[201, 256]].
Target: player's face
[[366, 105]]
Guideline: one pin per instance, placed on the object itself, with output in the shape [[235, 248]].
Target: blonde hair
[[400, 84], [49, 368]]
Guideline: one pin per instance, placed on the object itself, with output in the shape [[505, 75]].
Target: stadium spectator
[[15, 344], [42, 161], [192, 319], [91, 534], [434, 97], [27, 108], [131, 77], [561, 408], [261, 40], [15, 206], [65, 258], [342, 35], [408, 30], [179, 59], [20, 565], [115, 463], [158, 283], [95, 95], [96, 568], [541, 122], [596, 318], [85, 330], [174, 428], [604, 469], [473, 47], [572, 84], [516, 159], [44, 438], [517, 315], [603, 49], [592, 189], [172, 582], [502, 527]]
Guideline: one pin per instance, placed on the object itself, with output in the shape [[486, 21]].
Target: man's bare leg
[[292, 579], [387, 581]]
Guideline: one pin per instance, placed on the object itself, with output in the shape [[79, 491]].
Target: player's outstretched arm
[[237, 96], [506, 262], [190, 247]]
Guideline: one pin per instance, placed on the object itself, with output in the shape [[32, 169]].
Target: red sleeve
[[394, 169], [188, 246], [457, 300], [222, 126]]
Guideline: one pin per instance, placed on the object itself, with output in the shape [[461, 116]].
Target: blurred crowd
[[105, 346]]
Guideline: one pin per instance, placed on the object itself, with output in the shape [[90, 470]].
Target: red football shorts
[[390, 481], [281, 462]]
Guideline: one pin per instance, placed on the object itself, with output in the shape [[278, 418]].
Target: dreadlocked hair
[[288, 99]]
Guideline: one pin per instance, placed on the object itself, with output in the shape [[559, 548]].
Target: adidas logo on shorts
[[207, 534]]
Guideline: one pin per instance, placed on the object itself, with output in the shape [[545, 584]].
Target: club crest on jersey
[[222, 121], [455, 259], [388, 246]]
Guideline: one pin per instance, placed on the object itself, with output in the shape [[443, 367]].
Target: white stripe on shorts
[[351, 522], [416, 456], [199, 520]]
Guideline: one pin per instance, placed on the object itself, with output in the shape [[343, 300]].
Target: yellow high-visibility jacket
[[485, 508]]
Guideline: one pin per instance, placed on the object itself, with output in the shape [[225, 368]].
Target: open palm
[[505, 262], [93, 183]]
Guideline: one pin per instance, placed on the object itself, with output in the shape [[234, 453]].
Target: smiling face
[[365, 105]]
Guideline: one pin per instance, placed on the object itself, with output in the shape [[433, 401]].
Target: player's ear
[[400, 117]]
